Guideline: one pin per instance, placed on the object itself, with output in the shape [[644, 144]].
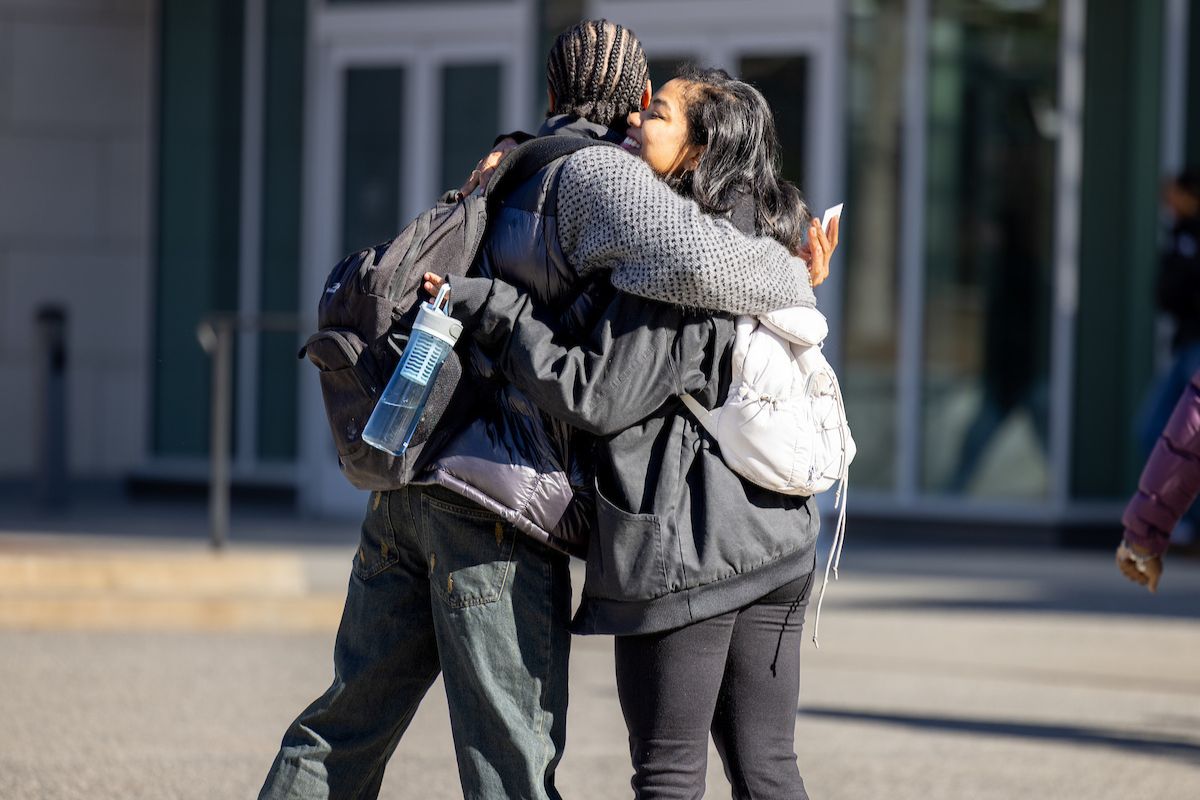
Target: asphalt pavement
[[953, 672]]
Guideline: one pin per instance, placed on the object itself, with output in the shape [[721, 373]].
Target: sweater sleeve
[[626, 369], [1170, 480], [614, 213]]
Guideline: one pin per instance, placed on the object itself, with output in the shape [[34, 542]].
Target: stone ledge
[[127, 613], [172, 575]]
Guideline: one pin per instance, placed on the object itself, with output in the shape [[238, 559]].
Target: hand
[[818, 249], [433, 283], [482, 174], [1147, 574]]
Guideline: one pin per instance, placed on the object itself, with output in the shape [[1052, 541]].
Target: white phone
[[830, 213]]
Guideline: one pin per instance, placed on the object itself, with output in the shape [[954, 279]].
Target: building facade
[[991, 301]]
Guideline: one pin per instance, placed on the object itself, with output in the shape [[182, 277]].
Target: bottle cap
[[432, 319]]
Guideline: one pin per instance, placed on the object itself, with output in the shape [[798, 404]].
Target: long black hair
[[598, 71], [740, 161]]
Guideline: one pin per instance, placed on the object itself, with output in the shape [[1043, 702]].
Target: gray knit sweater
[[615, 213]]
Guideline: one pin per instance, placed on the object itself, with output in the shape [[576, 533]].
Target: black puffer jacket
[[512, 458]]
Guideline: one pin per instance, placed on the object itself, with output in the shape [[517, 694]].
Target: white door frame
[[422, 38], [910, 352], [1068, 188], [250, 237], [1175, 83]]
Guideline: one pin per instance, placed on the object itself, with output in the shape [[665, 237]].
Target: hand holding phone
[[820, 245], [831, 213]]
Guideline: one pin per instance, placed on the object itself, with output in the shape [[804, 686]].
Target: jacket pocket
[[625, 558], [350, 385]]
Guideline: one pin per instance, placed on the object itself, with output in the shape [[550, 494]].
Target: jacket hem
[[677, 609], [447, 480]]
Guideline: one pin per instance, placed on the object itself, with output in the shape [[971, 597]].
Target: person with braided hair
[[466, 573], [582, 85]]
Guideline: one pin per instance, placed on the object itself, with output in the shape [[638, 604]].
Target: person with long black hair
[[702, 577]]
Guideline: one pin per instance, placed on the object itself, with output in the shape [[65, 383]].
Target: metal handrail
[[215, 334]]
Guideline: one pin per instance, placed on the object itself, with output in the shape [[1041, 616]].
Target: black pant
[[736, 675]]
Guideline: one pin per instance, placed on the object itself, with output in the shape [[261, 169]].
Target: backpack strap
[[706, 417], [839, 505], [528, 159]]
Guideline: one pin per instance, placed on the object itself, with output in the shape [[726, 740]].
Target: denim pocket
[[377, 542], [625, 559], [470, 552]]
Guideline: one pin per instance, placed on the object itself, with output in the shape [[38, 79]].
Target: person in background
[[1177, 294], [1168, 486], [1178, 288]]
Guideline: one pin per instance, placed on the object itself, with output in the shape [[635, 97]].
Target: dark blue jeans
[[440, 585]]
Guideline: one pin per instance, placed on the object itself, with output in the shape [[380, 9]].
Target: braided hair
[[598, 71]]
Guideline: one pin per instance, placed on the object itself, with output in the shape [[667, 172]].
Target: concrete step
[[194, 574], [152, 613], [162, 590]]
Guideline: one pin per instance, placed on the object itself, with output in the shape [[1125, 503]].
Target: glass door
[[381, 186], [992, 127], [964, 145]]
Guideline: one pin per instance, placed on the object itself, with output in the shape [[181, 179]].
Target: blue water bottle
[[402, 403]]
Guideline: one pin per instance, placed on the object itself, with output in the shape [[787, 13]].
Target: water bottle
[[402, 403]]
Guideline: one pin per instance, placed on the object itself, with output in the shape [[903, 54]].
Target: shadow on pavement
[[1170, 602], [1029, 579], [1187, 751]]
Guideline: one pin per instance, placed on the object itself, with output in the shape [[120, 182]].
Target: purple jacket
[[1171, 478]]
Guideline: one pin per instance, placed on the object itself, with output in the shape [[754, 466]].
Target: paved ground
[[943, 673]]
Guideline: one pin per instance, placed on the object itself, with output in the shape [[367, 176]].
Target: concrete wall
[[76, 105]]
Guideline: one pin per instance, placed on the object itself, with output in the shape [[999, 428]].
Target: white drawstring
[[839, 504]]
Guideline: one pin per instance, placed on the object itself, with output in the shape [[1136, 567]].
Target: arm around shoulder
[[622, 373], [614, 213]]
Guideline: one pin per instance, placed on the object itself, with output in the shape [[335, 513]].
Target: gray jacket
[[678, 536], [596, 214]]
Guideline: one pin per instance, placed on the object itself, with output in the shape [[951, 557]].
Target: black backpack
[[368, 306]]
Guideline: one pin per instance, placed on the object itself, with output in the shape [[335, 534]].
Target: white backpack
[[783, 425]]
